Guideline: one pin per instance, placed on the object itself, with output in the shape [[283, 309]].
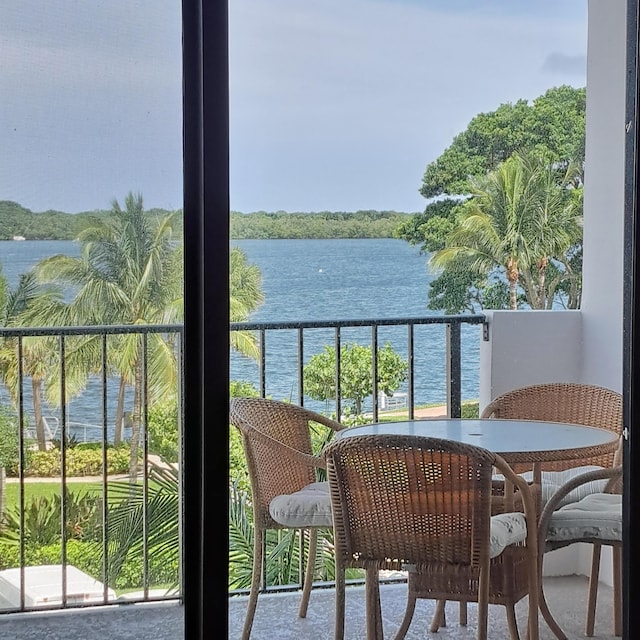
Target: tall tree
[[129, 272], [31, 304], [518, 218], [552, 127]]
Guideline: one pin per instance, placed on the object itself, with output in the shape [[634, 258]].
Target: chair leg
[[408, 613], [308, 577], [594, 576], [463, 613], [483, 602], [340, 605], [373, 608], [439, 618], [255, 582], [549, 619], [512, 623], [617, 591]]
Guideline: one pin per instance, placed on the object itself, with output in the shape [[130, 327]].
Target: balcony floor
[[276, 618]]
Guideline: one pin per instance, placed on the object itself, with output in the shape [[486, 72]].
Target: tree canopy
[[553, 126], [484, 169]]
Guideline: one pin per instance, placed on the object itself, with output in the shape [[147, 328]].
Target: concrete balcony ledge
[[142, 621]]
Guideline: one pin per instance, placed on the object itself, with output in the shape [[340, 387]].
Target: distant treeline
[[16, 220], [322, 224]]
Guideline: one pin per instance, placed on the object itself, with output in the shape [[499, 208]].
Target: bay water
[[318, 280], [349, 280]]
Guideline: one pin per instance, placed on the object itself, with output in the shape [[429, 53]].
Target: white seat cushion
[[597, 516], [309, 507], [506, 529]]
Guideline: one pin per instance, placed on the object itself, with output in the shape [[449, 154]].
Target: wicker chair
[[424, 505], [282, 469], [595, 519], [569, 402]]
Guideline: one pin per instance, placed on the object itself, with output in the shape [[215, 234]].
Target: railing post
[[454, 375], [374, 369]]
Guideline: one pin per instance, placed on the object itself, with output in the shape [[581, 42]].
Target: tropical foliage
[[129, 272], [356, 380], [519, 218], [245, 296], [550, 132], [145, 517]]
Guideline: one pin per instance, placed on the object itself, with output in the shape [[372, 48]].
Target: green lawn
[[45, 489]]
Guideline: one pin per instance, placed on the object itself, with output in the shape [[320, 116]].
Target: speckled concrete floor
[[277, 618]]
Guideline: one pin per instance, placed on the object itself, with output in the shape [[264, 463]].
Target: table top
[[514, 440]]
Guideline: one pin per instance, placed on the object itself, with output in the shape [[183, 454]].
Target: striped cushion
[[597, 516], [553, 480]]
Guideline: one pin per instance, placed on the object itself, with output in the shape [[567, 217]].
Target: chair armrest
[[529, 504], [324, 420], [282, 449]]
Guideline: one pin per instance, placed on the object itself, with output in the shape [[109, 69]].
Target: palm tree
[[129, 272], [518, 218], [31, 304], [245, 296]]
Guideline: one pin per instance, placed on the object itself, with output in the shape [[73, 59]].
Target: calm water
[[345, 280], [313, 280]]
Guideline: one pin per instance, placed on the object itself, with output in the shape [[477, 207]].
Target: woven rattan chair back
[[277, 442], [567, 402], [409, 501]]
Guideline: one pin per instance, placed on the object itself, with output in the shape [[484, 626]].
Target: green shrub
[[9, 442], [82, 460], [42, 519], [163, 430], [87, 556]]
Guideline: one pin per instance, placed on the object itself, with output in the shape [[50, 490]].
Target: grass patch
[[470, 410], [45, 490], [48, 489]]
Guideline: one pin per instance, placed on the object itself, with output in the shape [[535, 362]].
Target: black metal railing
[[452, 364], [97, 359], [288, 354], [53, 357]]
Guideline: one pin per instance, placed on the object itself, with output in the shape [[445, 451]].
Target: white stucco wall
[[602, 298], [529, 347]]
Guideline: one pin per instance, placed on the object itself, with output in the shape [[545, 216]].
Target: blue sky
[[335, 104]]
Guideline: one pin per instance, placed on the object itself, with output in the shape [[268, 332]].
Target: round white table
[[517, 441], [528, 442]]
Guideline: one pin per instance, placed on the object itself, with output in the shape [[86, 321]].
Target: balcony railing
[[436, 347], [443, 334], [62, 360], [47, 529]]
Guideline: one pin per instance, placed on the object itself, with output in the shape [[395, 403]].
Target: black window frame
[[206, 218]]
